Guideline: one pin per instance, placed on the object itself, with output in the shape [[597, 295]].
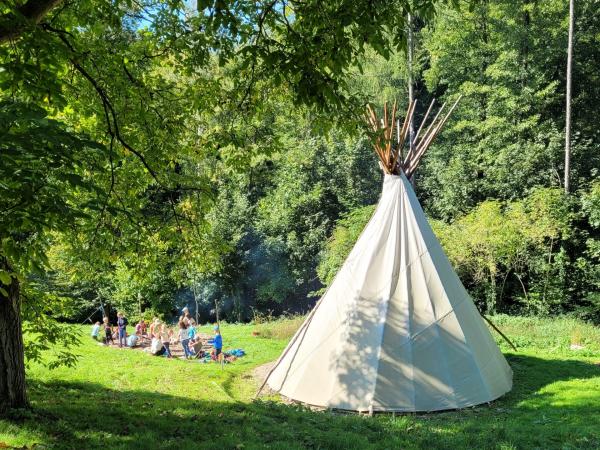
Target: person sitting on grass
[[165, 338], [96, 331], [154, 328], [217, 343], [132, 340], [108, 335], [184, 338], [156, 347], [140, 328]]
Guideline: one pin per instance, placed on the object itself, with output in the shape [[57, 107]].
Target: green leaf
[[5, 277]]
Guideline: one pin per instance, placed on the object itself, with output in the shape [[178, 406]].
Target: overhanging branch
[[14, 24]]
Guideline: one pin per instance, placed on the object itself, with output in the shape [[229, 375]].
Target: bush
[[539, 255]]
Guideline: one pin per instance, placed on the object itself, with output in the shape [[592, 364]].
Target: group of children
[[160, 336]]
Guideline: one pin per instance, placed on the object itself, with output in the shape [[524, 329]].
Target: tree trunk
[[32, 12], [568, 105], [12, 358], [411, 95]]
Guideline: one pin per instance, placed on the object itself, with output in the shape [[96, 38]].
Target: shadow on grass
[[88, 415]]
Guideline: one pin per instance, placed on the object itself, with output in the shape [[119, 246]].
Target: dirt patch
[[259, 374]]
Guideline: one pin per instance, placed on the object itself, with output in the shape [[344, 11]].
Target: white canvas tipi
[[396, 330]]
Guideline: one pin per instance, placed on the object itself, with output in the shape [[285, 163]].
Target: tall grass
[[552, 335], [280, 328]]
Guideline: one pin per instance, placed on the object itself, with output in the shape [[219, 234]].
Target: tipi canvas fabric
[[396, 330]]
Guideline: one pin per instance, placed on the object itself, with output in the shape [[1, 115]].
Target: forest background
[[232, 169]]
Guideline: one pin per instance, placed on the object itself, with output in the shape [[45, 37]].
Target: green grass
[[118, 399]]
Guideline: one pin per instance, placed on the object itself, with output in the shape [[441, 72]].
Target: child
[[107, 332], [140, 328], [165, 338], [122, 324], [132, 340], [96, 331], [184, 338], [191, 337], [217, 342], [154, 328], [192, 330]]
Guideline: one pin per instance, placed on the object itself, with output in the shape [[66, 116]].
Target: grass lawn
[[118, 399]]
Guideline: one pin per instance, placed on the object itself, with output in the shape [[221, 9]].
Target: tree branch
[[14, 24]]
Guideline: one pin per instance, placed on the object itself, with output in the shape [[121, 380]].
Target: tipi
[[396, 330]]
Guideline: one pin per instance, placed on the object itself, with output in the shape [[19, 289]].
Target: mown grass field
[[124, 399]]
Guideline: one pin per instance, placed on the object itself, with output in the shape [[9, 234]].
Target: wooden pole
[[428, 138], [499, 332], [568, 105], [301, 331], [195, 292], [424, 119], [303, 328], [404, 132]]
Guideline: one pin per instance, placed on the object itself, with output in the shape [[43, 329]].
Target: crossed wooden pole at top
[[390, 151]]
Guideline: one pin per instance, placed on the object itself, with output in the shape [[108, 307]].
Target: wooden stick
[[444, 120], [417, 153], [451, 109], [385, 115], [398, 154], [422, 148], [427, 138], [500, 332], [424, 120], [405, 128], [372, 119], [406, 124], [431, 124], [390, 133]]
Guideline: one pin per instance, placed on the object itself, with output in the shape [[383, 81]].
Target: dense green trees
[[151, 154], [493, 180], [119, 120]]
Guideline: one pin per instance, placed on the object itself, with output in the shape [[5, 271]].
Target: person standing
[[185, 315], [107, 331], [184, 338], [96, 331], [122, 330], [217, 342], [192, 330]]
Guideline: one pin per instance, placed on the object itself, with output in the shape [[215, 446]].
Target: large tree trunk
[[12, 359]]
